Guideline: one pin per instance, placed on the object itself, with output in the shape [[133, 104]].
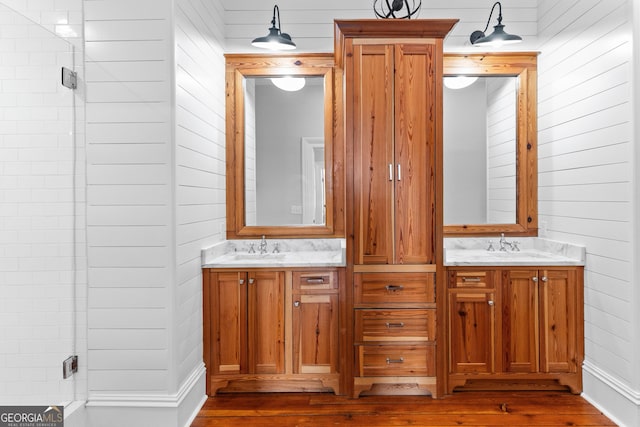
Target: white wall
[[199, 170], [586, 178], [310, 22], [42, 256], [501, 150]]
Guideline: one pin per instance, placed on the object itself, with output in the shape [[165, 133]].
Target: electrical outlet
[[69, 366]]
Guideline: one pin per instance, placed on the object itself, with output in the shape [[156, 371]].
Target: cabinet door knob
[[390, 172], [535, 279], [399, 172], [544, 278], [241, 281], [490, 302], [296, 303], [251, 281]]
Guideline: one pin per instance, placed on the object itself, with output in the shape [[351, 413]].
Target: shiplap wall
[[501, 150], [585, 176], [310, 22], [130, 195], [42, 256], [200, 164]]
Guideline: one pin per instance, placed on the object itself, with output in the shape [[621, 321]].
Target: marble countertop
[[533, 251], [290, 253]]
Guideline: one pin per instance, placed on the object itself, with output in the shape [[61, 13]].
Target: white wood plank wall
[[130, 195], [200, 164], [586, 170], [501, 151], [310, 22]]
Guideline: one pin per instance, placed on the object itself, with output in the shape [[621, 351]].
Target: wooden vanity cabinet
[[272, 330], [315, 322], [472, 320], [516, 325], [247, 318]]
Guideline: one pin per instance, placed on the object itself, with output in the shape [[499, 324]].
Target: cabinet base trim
[[395, 386], [275, 384], [527, 381]]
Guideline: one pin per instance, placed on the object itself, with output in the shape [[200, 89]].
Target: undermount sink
[[257, 256], [523, 257]]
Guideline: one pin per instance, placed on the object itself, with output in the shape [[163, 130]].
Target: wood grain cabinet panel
[[272, 330], [515, 325], [394, 153]]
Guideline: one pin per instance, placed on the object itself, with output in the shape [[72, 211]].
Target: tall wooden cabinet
[[392, 73]]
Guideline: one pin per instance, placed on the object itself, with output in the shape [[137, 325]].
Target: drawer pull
[[471, 279], [394, 288], [395, 325], [315, 280], [390, 361]]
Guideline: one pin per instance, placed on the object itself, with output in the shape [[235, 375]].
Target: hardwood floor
[[517, 408]]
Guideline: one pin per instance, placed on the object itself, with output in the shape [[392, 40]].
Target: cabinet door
[[315, 333], [520, 321], [266, 322], [471, 331], [373, 153], [229, 325], [414, 139], [558, 321]]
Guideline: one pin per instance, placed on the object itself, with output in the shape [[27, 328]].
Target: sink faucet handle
[[514, 246], [276, 248], [490, 248], [252, 249]]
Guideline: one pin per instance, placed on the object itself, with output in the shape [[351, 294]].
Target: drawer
[[395, 325], [471, 279], [315, 280], [396, 360], [380, 288]]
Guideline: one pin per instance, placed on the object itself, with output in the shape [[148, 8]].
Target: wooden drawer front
[[315, 280], [380, 288], [396, 360], [471, 279], [395, 325]]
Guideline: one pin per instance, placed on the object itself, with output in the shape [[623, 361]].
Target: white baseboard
[[618, 401], [124, 410]]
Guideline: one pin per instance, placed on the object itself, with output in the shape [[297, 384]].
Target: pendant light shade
[[276, 39], [499, 37]]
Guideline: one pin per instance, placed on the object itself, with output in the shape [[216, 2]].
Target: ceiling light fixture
[[288, 83], [459, 82], [276, 39], [498, 37]]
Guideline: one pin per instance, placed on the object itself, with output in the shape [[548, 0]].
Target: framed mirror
[[490, 144], [280, 145]]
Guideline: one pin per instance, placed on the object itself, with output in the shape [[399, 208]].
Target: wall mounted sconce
[[276, 39], [498, 37]]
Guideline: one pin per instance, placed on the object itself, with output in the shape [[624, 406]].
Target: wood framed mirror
[[490, 145], [280, 146]]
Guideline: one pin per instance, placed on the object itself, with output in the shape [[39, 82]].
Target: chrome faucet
[[513, 245], [504, 243], [262, 246]]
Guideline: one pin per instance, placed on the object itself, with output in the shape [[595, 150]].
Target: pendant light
[[498, 37], [276, 39]]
